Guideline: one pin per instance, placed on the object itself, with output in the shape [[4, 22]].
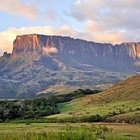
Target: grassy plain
[[69, 131]]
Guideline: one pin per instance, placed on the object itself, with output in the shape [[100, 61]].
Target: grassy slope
[[123, 96]]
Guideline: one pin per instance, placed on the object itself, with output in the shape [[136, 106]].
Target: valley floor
[[69, 131]]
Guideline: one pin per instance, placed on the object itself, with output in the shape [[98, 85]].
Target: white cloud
[[93, 32], [109, 20], [113, 21], [51, 50], [16, 7], [99, 34]]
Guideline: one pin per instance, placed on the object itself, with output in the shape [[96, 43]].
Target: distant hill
[[122, 100]]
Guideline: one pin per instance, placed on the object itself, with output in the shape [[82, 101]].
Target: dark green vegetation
[[73, 95], [36, 108], [27, 108], [76, 131]]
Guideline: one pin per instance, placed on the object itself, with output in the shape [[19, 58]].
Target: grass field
[[122, 98], [84, 107], [69, 131]]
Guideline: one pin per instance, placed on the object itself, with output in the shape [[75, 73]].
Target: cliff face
[[41, 62], [134, 50], [26, 44], [68, 46], [75, 52], [33, 44]]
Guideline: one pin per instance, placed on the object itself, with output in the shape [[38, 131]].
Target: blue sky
[[112, 21]]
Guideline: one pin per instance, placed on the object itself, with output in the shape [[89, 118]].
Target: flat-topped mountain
[[39, 62], [75, 52]]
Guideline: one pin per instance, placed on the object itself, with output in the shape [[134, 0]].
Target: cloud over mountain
[[110, 21], [96, 20], [7, 37]]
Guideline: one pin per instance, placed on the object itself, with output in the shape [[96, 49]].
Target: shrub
[[92, 118]]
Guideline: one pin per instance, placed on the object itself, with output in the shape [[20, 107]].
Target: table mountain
[[39, 63]]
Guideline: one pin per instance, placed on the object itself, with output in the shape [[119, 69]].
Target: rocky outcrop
[[33, 44], [26, 44]]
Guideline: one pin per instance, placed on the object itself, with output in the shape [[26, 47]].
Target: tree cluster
[[75, 94], [25, 109], [39, 107]]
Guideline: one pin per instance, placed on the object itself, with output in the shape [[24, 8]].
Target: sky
[[105, 21]]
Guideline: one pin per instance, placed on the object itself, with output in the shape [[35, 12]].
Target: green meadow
[[69, 131]]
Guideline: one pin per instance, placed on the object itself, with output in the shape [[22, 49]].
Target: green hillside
[[122, 98]]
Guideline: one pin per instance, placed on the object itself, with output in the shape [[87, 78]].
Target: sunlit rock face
[[75, 52], [39, 62], [134, 50], [33, 44], [26, 44]]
